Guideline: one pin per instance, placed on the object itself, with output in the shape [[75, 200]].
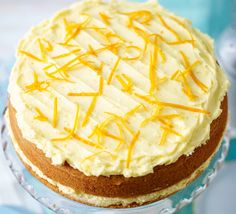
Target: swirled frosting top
[[116, 88]]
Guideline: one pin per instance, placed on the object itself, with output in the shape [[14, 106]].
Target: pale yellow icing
[[48, 98]]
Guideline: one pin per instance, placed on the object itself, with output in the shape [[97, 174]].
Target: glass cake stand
[[62, 205]]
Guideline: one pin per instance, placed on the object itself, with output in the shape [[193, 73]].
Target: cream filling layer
[[193, 128]]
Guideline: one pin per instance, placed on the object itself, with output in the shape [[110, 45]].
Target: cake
[[116, 103]]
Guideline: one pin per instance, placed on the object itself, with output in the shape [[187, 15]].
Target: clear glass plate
[[60, 204]]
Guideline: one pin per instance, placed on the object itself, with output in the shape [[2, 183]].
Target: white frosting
[[147, 152]]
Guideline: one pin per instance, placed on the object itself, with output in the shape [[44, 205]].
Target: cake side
[[117, 189]]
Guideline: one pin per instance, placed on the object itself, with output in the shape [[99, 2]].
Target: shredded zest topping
[[126, 82], [201, 85], [153, 51], [141, 16], [67, 54], [37, 85], [55, 113], [105, 18], [113, 71], [131, 147], [90, 110], [40, 116], [83, 140], [72, 131], [73, 29], [172, 105], [31, 55]]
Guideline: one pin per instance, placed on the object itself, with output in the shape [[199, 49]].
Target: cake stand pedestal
[[62, 205]]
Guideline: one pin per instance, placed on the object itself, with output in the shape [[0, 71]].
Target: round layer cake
[[116, 104]]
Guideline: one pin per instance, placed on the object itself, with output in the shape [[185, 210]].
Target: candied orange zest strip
[[97, 128], [165, 123], [69, 45], [49, 66], [155, 44], [67, 54], [83, 94], [171, 43], [105, 18], [106, 33], [113, 71], [37, 85], [98, 153], [44, 48], [161, 119], [155, 52], [72, 131], [31, 56], [101, 82], [49, 46], [106, 133], [94, 131], [77, 28], [158, 118], [171, 105], [163, 137], [141, 33], [142, 16], [122, 120], [57, 78], [40, 116], [169, 130], [181, 42], [152, 75], [145, 98], [199, 83], [55, 112], [168, 116], [65, 66], [90, 110], [92, 65], [83, 140], [115, 116], [122, 82], [186, 88], [139, 50], [128, 79], [134, 110], [127, 85], [92, 51], [175, 75], [145, 47], [131, 147], [97, 131], [163, 56], [114, 47], [121, 131], [202, 86], [156, 36], [187, 108], [100, 68], [185, 59], [169, 28], [183, 25]]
